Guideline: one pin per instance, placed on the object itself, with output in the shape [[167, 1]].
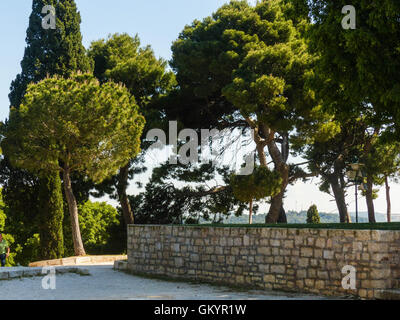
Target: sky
[[158, 23]]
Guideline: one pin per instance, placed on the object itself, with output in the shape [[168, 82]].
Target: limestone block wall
[[303, 260]]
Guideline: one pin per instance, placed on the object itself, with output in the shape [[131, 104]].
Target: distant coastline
[[301, 217]]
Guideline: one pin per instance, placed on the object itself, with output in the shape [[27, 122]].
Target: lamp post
[[353, 175]]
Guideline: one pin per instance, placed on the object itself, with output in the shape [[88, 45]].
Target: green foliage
[[120, 58], [96, 221], [251, 56], [9, 238], [48, 52], [165, 202], [91, 128], [3, 216], [14, 250], [360, 64], [28, 252], [260, 184], [383, 160], [50, 225], [96, 218], [102, 229], [246, 67], [313, 215], [51, 52], [74, 125]]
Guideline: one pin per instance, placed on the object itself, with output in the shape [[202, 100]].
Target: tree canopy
[[121, 58], [74, 125], [249, 64]]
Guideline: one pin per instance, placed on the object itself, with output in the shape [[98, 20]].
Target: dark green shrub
[[101, 229], [313, 215]]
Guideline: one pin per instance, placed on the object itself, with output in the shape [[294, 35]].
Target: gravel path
[[104, 283]]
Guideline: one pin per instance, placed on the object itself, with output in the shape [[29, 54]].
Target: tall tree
[[48, 52], [359, 65], [121, 58], [329, 159], [381, 164], [51, 217], [164, 202], [248, 65], [74, 125]]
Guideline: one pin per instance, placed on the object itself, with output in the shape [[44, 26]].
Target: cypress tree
[[51, 217], [49, 52], [313, 215]]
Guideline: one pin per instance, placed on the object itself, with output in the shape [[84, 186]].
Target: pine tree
[[49, 52], [248, 65], [121, 59]]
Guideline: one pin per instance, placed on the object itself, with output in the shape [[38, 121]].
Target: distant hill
[[301, 217]]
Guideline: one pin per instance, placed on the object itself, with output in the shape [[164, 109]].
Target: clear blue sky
[[158, 22]]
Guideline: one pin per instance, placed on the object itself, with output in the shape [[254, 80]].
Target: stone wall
[[303, 260]]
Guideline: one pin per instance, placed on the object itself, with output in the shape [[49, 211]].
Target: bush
[[15, 250], [29, 252], [313, 215], [98, 222]]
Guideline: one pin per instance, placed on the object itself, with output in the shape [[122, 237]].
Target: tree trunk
[[370, 201], [265, 136], [123, 198], [274, 212], [388, 202], [261, 155], [282, 216], [283, 169], [340, 199], [73, 211], [251, 212], [369, 192]]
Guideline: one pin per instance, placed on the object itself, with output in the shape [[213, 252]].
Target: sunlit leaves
[[91, 128]]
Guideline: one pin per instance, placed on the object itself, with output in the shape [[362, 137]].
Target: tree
[[74, 125], [313, 215], [97, 219], [51, 217], [382, 163], [330, 153], [121, 59], [165, 202], [48, 52], [360, 67], [248, 66], [363, 60], [102, 229]]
